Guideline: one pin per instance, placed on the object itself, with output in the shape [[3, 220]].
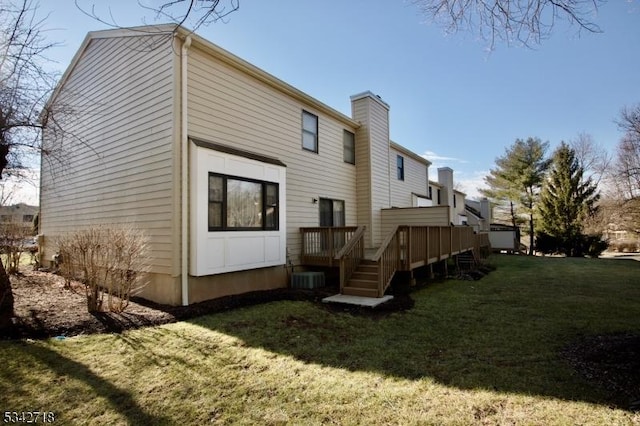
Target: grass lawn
[[469, 352]]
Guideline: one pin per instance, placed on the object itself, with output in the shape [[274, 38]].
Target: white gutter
[[184, 171]]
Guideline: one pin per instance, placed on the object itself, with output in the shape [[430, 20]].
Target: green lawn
[[469, 352]]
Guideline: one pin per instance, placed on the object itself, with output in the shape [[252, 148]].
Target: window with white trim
[[400, 164], [241, 204], [309, 131], [349, 147]]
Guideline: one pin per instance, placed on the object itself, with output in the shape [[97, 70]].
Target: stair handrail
[[385, 243], [350, 255], [359, 233], [386, 269]]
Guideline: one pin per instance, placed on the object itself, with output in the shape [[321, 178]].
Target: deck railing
[[350, 256], [404, 248], [482, 245], [388, 258], [320, 244], [408, 247]]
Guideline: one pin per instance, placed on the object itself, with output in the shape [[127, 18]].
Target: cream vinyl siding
[[360, 111], [229, 107], [417, 216], [119, 170], [372, 160], [415, 179]]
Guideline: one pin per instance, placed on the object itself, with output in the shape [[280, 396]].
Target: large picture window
[[237, 204]]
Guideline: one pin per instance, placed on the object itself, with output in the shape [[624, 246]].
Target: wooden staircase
[[363, 281], [467, 261]]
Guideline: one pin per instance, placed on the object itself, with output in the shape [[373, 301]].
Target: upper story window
[[237, 204], [309, 131], [439, 197], [454, 201], [430, 193], [349, 147], [400, 164]]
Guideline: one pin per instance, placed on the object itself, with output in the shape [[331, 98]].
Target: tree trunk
[[530, 234], [6, 299]]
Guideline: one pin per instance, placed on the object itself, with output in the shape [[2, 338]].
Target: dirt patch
[[611, 362], [44, 307]]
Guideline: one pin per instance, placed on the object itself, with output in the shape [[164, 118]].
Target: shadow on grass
[[121, 401], [469, 335]]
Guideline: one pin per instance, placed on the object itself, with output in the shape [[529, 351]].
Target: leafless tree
[[193, 13], [521, 21], [592, 158], [25, 87], [625, 170]]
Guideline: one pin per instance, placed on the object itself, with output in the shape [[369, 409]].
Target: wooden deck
[[369, 272]]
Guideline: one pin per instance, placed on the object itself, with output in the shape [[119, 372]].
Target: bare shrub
[[13, 238], [109, 261], [625, 246]]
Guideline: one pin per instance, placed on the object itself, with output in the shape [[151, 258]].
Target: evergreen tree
[[567, 199], [518, 178]]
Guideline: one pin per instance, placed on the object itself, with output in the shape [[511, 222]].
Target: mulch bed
[[44, 307]]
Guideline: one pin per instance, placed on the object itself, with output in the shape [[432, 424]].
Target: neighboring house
[[443, 193], [21, 214], [223, 165], [479, 214]]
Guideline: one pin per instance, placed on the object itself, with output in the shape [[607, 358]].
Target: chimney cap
[[369, 94]]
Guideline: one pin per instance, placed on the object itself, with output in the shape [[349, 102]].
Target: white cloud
[[435, 158], [470, 182]]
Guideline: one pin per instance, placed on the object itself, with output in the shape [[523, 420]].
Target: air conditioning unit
[[307, 280]]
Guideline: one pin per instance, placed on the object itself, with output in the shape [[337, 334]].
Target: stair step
[[359, 291], [368, 268], [354, 282], [367, 262], [364, 275]]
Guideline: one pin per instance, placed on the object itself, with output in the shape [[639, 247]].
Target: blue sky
[[450, 99]]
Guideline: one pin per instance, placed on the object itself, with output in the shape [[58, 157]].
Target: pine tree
[[567, 199], [518, 178]]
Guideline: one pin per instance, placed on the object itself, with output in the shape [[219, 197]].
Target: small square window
[[309, 131], [349, 147], [400, 164]]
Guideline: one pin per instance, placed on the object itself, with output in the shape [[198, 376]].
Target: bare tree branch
[[592, 158], [523, 21], [193, 13]]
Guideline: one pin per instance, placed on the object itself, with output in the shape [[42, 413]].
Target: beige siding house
[[22, 214], [219, 162], [443, 193]]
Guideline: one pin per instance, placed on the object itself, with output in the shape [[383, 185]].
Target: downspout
[[184, 172]]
